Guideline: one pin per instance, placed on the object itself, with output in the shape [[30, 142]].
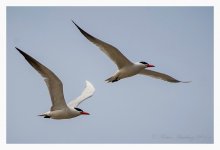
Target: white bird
[[59, 108], [125, 67]]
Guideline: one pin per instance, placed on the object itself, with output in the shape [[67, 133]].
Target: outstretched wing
[[113, 53], [87, 92], [161, 76], [54, 84]]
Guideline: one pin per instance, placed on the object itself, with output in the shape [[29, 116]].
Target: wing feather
[[113, 53], [161, 76], [54, 84], [86, 93]]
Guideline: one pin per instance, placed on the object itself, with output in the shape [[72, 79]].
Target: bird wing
[[86, 93], [113, 53], [161, 76], [54, 84]]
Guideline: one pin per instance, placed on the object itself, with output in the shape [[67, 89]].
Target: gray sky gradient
[[141, 109]]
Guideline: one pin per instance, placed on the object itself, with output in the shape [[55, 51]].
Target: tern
[[59, 108], [125, 67]]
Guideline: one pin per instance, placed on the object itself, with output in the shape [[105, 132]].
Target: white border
[[3, 73], [6, 3], [109, 2]]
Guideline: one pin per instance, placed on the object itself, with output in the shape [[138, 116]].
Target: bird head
[[146, 64], [81, 111]]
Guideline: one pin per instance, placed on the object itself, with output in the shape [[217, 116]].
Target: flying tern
[[59, 108], [125, 67]]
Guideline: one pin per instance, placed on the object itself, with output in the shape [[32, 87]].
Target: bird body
[[126, 71], [65, 113], [125, 67]]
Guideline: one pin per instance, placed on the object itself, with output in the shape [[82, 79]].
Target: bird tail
[[44, 115], [112, 79]]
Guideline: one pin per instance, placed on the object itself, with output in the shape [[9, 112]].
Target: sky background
[[141, 109]]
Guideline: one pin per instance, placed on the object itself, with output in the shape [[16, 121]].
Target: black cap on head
[[78, 109], [143, 62]]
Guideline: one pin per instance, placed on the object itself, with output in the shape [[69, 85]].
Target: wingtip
[[75, 24], [186, 81], [19, 50], [178, 81], [88, 83], [72, 21], [81, 30]]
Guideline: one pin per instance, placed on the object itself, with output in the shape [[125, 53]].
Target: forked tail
[[44, 115], [112, 79]]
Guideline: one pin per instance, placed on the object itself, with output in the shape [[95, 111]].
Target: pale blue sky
[[177, 40]]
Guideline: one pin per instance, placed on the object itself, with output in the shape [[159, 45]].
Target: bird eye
[[78, 109]]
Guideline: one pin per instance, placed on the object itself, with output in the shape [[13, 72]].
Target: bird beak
[[84, 113], [149, 65]]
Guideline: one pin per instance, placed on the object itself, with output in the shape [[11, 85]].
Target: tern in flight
[[59, 108], [125, 67]]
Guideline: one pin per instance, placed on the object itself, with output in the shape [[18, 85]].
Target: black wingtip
[[17, 48], [23, 53], [80, 29], [76, 25], [186, 81], [73, 22], [87, 35], [177, 81]]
